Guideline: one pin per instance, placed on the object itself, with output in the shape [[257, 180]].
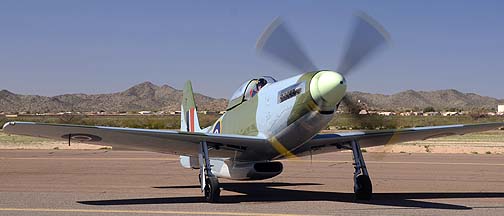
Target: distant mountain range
[[144, 96], [147, 96], [415, 100]]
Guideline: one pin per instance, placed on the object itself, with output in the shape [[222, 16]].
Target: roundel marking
[[217, 128], [82, 137]]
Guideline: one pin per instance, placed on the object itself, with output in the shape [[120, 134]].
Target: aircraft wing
[[163, 141], [322, 143]]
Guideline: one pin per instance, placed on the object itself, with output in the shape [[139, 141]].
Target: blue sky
[[53, 47]]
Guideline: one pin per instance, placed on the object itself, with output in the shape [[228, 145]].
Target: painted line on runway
[[90, 158], [296, 161], [141, 212], [438, 163], [399, 162]]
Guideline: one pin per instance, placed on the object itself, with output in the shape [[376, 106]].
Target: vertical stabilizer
[[188, 116]]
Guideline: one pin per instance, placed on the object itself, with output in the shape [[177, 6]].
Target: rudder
[[188, 115]]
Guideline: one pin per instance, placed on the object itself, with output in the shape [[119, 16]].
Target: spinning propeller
[[367, 36], [278, 42]]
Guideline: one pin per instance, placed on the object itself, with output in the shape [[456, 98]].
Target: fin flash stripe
[[191, 119]]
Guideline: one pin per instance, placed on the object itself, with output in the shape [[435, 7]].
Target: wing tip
[[12, 123], [7, 125]]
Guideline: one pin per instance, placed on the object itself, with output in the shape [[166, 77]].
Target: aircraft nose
[[327, 88]]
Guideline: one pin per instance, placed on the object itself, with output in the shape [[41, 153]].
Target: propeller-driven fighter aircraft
[[266, 120]]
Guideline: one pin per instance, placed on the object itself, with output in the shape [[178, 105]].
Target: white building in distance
[[500, 108]]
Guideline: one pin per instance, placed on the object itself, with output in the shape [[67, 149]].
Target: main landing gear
[[209, 183], [363, 188]]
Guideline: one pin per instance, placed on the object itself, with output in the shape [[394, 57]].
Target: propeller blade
[[279, 43], [368, 35]]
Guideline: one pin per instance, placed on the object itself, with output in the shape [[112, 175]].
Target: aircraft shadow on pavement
[[269, 192]]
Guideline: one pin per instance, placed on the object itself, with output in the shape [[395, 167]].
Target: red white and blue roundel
[[217, 128]]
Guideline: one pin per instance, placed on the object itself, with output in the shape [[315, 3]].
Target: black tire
[[212, 190], [363, 188]]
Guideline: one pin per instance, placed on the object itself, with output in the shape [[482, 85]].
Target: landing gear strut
[[363, 188], [209, 183]]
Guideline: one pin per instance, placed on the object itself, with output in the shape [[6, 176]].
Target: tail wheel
[[363, 188], [212, 190]]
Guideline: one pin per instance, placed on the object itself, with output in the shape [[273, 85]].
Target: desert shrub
[[429, 109]]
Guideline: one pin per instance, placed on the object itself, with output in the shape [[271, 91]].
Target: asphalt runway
[[104, 182]]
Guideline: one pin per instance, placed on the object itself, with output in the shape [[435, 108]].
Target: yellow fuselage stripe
[[281, 148], [313, 106]]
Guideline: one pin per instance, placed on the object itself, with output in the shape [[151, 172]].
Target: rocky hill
[[440, 100], [147, 96], [144, 96]]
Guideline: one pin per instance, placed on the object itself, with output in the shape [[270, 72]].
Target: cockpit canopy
[[248, 90]]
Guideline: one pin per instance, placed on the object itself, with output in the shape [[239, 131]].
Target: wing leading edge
[[163, 141], [240, 147], [323, 143]]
